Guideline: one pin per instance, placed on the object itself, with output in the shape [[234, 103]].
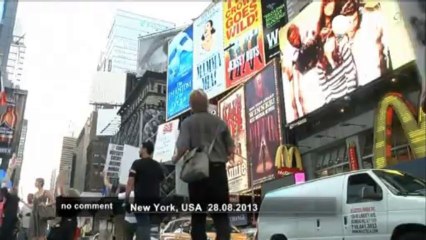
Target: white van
[[362, 205]]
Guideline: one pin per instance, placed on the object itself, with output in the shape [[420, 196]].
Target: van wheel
[[278, 237], [413, 236]]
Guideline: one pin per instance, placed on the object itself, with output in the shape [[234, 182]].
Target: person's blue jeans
[[143, 231]]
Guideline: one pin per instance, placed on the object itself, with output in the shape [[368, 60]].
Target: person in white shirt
[[25, 215], [130, 220]]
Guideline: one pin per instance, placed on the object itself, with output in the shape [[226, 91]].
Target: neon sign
[[392, 105]]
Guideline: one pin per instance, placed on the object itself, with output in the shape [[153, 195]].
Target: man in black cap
[[145, 177]]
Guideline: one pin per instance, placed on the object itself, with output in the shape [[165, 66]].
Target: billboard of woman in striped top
[[333, 47]]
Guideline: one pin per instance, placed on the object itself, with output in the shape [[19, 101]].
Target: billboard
[[179, 73], [332, 48], [151, 119], [167, 135], [108, 88], [113, 160], [244, 49], [232, 111], [108, 122], [11, 119], [274, 14], [209, 68], [263, 123]]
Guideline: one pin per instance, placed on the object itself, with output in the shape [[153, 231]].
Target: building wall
[[65, 166], [120, 55], [15, 62], [6, 33], [96, 157], [87, 134]]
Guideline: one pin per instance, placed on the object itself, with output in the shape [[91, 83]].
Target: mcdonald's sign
[[285, 156], [393, 104]]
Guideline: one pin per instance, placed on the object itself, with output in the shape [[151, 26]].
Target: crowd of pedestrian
[[200, 130]]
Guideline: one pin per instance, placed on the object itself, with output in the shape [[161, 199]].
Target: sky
[[64, 41]]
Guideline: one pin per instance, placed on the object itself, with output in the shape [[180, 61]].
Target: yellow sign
[[392, 105], [284, 160]]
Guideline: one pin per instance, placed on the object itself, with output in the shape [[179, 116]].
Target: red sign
[[353, 158]]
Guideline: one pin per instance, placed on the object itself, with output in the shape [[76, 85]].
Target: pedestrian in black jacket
[[8, 229]]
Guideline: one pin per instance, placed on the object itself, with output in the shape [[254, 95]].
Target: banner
[[209, 68], [232, 111], [167, 135], [179, 73], [130, 154], [11, 119], [333, 48], [113, 160], [244, 49], [263, 123], [274, 15], [152, 118]]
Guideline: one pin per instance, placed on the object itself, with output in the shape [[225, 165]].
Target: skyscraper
[[120, 54], [66, 164], [8, 9]]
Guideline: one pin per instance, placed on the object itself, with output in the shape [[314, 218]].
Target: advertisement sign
[[209, 67], [274, 15], [179, 73], [113, 160], [334, 47], [152, 118], [263, 123], [167, 135], [11, 119], [284, 159], [244, 49], [232, 111], [394, 104], [130, 154]]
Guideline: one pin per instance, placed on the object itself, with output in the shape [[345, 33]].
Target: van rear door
[[364, 208]]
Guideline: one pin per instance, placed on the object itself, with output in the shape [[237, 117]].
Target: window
[[359, 185], [152, 86], [159, 88], [401, 183]]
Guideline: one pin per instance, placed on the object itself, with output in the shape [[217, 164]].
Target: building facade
[[15, 62], [120, 54], [87, 134], [143, 110], [53, 180], [96, 157], [7, 23], [67, 154]]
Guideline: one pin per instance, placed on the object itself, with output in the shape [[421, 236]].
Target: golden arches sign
[[414, 130], [284, 159]]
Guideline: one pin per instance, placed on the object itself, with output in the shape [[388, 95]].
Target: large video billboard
[[11, 118], [263, 122], [232, 111], [179, 73], [209, 66], [244, 49], [334, 47], [274, 15]]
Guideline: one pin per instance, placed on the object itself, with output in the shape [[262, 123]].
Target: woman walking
[[42, 198]]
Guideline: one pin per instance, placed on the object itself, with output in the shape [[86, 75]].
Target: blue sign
[[179, 73]]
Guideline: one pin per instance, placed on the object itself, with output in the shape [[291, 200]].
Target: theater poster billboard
[[274, 15], [333, 48], [232, 111], [179, 73], [244, 49], [263, 122], [11, 119], [209, 66]]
